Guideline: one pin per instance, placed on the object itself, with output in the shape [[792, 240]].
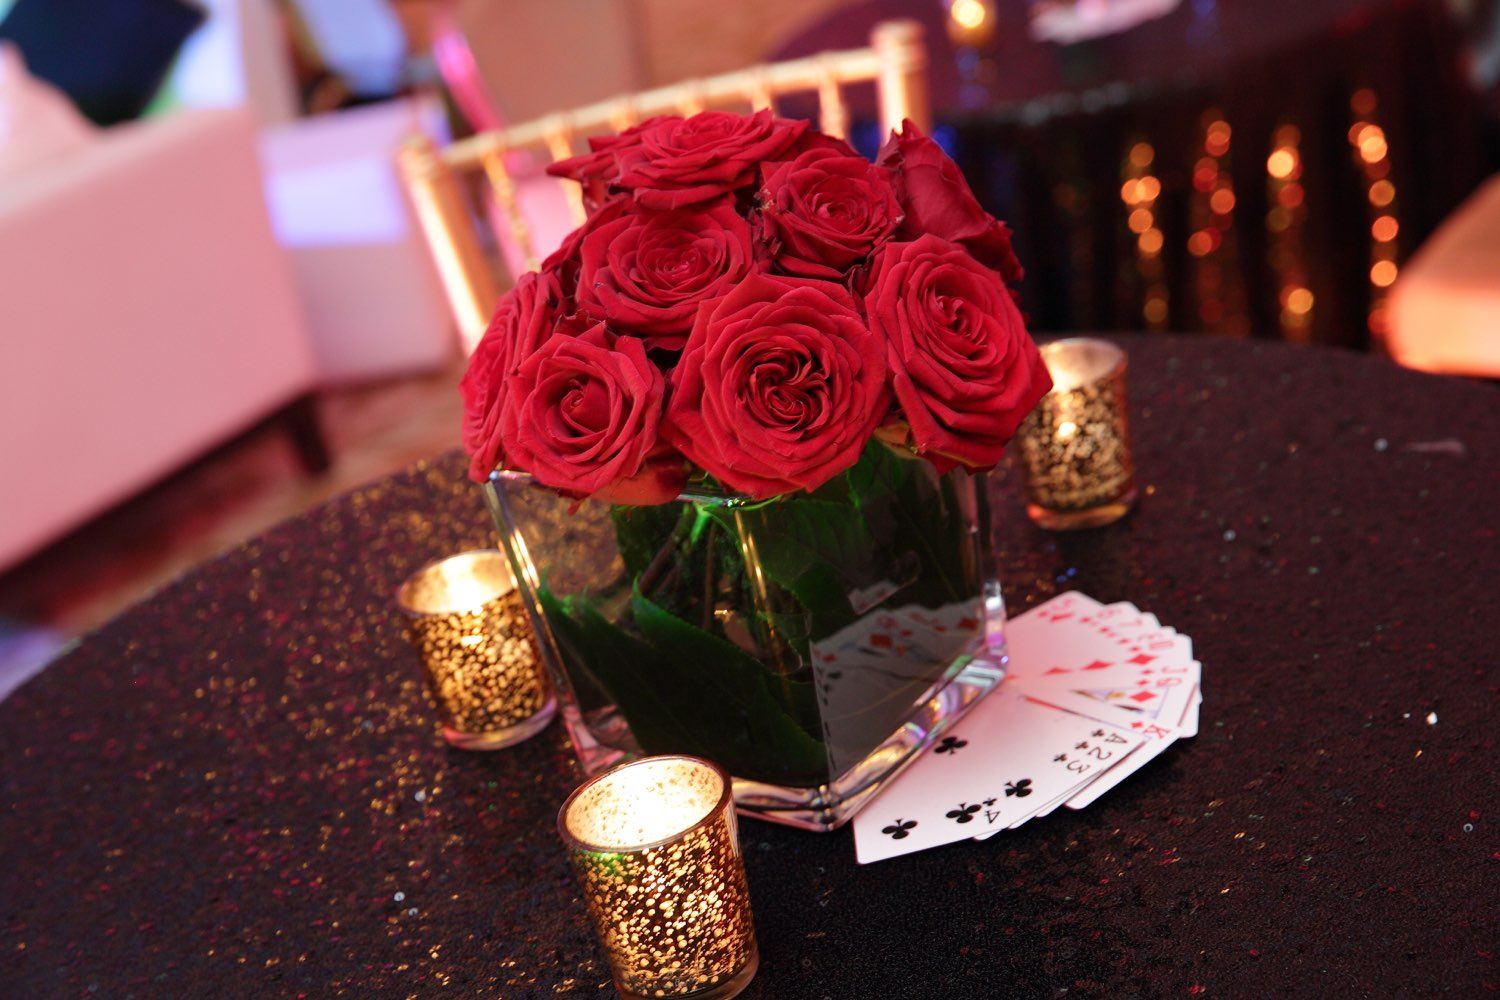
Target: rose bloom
[[598, 170], [813, 139], [779, 388], [523, 321], [823, 213], [936, 199], [964, 369], [645, 272], [567, 260], [582, 415], [682, 161]]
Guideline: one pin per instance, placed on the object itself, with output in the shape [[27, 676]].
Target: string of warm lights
[[1372, 155], [1139, 190], [1285, 221], [1211, 244]]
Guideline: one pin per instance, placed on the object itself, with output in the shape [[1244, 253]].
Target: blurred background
[[218, 306]]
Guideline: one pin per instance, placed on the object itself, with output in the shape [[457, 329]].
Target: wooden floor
[[88, 577]]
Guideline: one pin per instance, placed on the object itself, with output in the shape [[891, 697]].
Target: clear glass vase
[[811, 645]]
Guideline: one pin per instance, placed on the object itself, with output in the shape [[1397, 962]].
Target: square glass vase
[[812, 644]]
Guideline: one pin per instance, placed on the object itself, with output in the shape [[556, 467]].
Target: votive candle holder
[[465, 617], [1075, 446], [655, 847]]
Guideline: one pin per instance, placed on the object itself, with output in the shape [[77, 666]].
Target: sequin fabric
[[237, 788]]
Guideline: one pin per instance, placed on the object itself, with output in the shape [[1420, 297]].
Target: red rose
[[779, 388], [964, 370], [567, 259], [823, 213], [582, 415], [937, 200], [715, 149], [594, 172], [646, 272], [523, 321], [682, 161], [813, 139], [599, 169]]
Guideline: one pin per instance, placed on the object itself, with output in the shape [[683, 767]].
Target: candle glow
[[1074, 446], [466, 619], [655, 847]]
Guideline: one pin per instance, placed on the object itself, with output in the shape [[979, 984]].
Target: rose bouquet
[[770, 366]]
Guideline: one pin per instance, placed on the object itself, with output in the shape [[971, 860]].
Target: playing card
[[1152, 712], [1112, 656], [1190, 721], [1094, 693], [1094, 757], [1043, 649], [1132, 763], [1008, 756], [868, 675]]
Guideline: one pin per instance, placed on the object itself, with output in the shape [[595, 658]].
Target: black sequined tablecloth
[[236, 788]]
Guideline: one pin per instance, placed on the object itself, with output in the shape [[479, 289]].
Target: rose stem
[[663, 555], [708, 576]]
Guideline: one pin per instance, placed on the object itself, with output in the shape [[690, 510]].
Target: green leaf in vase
[[640, 532], [813, 549], [596, 653], [731, 693], [910, 508]]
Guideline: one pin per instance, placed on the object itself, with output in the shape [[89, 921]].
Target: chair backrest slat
[[504, 186], [833, 117]]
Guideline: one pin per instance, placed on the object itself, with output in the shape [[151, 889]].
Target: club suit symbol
[[950, 744], [964, 813]]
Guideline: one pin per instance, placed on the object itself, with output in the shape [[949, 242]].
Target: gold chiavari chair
[[895, 61]]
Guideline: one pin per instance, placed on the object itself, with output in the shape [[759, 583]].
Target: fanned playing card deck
[[1094, 692]]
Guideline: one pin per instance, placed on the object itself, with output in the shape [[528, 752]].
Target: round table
[[237, 788]]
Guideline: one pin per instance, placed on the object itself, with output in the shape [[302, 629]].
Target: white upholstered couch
[[146, 314]]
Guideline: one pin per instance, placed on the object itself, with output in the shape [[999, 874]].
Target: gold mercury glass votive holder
[[1075, 446], [655, 846], [465, 617]]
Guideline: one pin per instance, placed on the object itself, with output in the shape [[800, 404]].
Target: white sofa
[[146, 315], [374, 305]]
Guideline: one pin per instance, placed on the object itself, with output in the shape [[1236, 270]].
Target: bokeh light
[[1281, 163], [1299, 301], [968, 14]]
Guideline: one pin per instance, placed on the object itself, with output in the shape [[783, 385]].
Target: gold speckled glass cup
[[465, 617], [655, 847], [1075, 446]]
